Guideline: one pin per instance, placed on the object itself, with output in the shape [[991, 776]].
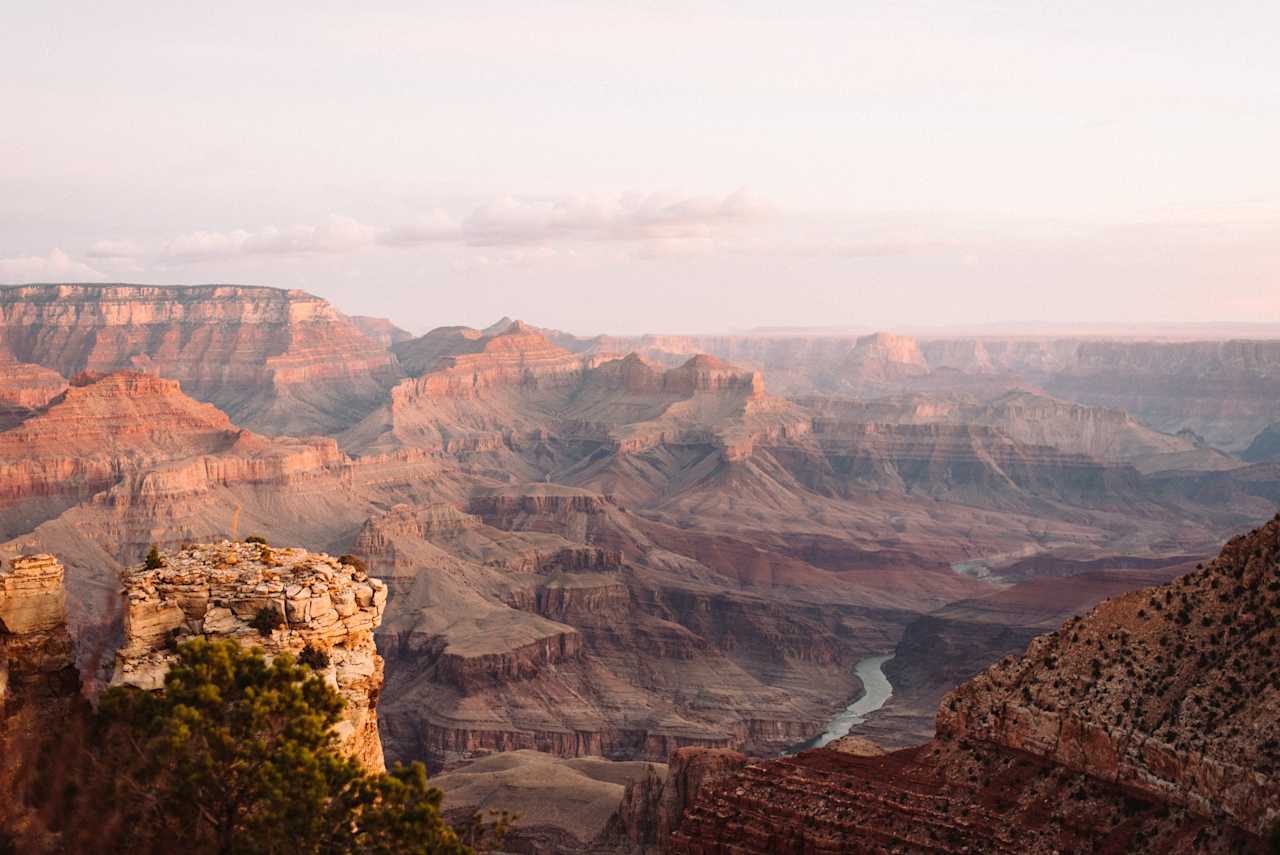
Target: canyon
[[1148, 724], [603, 555]]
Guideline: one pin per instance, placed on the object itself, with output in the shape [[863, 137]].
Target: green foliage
[[154, 561], [314, 658], [266, 620], [254, 538], [237, 755]]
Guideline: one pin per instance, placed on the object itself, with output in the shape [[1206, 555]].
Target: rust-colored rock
[[277, 361]]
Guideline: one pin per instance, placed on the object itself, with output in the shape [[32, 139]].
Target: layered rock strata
[[217, 590], [1150, 725], [36, 652], [277, 361]]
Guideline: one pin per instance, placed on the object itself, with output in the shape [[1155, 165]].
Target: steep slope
[[1171, 691], [1150, 725], [277, 361]]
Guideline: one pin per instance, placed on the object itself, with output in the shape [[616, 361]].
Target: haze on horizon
[[606, 168]]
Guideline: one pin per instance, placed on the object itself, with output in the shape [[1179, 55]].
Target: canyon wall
[[276, 361]]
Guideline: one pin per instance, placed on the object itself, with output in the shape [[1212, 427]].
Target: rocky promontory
[[282, 600]]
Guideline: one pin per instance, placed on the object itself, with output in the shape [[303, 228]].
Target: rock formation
[[1169, 691], [36, 655], [277, 361], [217, 591], [1151, 724]]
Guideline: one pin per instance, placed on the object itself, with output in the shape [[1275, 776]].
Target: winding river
[[876, 690]]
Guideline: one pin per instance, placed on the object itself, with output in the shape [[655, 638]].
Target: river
[[876, 690]]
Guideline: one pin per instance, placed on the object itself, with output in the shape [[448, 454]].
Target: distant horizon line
[[1165, 329]]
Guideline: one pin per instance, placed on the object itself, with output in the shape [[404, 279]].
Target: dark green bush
[[267, 620], [314, 658]]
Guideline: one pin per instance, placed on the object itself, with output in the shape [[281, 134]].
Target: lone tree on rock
[[237, 756]]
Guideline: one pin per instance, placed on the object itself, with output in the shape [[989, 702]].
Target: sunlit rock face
[[276, 361], [36, 655], [217, 590]]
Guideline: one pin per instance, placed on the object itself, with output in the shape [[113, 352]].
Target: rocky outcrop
[[277, 361], [37, 659], [217, 590], [1170, 691]]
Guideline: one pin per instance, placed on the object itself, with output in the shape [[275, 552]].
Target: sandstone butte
[[215, 590], [1152, 724]]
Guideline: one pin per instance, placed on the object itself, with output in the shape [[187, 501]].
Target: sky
[[656, 167]]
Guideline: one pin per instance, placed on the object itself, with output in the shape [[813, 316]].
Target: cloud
[[114, 250], [56, 266], [628, 217], [434, 227], [337, 234], [656, 223]]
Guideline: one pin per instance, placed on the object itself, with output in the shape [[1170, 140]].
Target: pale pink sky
[[603, 167]]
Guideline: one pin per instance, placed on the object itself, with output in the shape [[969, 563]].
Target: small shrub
[[154, 561], [314, 658], [171, 639], [267, 620], [354, 561], [254, 538]]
